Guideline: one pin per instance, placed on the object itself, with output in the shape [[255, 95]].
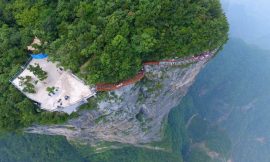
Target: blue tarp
[[39, 56]]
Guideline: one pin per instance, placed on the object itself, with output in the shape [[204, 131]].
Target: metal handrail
[[83, 100], [23, 67]]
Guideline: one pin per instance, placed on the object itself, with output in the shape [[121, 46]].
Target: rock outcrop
[[134, 114]]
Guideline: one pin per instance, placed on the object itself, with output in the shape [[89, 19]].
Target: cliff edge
[[134, 114]]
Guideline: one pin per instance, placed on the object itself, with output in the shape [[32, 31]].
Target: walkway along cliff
[[140, 75]]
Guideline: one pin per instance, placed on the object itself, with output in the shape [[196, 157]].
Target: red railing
[[140, 75], [112, 86], [151, 63]]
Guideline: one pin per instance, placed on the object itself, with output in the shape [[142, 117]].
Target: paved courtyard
[[69, 90]]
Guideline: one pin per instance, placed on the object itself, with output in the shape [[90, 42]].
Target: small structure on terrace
[[52, 87]]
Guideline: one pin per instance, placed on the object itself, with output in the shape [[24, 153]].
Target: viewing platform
[[59, 91]]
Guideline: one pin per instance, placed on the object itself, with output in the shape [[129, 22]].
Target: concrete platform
[[67, 85]]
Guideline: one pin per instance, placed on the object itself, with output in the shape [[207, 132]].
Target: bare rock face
[[134, 114]]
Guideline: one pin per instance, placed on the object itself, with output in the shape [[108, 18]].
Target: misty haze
[[170, 81]]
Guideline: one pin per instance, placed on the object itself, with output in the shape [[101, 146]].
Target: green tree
[[26, 83], [38, 71], [50, 90]]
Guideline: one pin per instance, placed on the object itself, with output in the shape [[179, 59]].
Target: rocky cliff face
[[134, 114]]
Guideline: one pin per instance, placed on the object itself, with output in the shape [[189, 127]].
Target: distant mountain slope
[[236, 97], [33, 148], [249, 20]]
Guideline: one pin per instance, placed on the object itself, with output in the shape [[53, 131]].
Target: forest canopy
[[100, 40], [107, 40]]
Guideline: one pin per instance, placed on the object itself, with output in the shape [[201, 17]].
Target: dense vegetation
[[32, 148], [101, 40], [107, 40]]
